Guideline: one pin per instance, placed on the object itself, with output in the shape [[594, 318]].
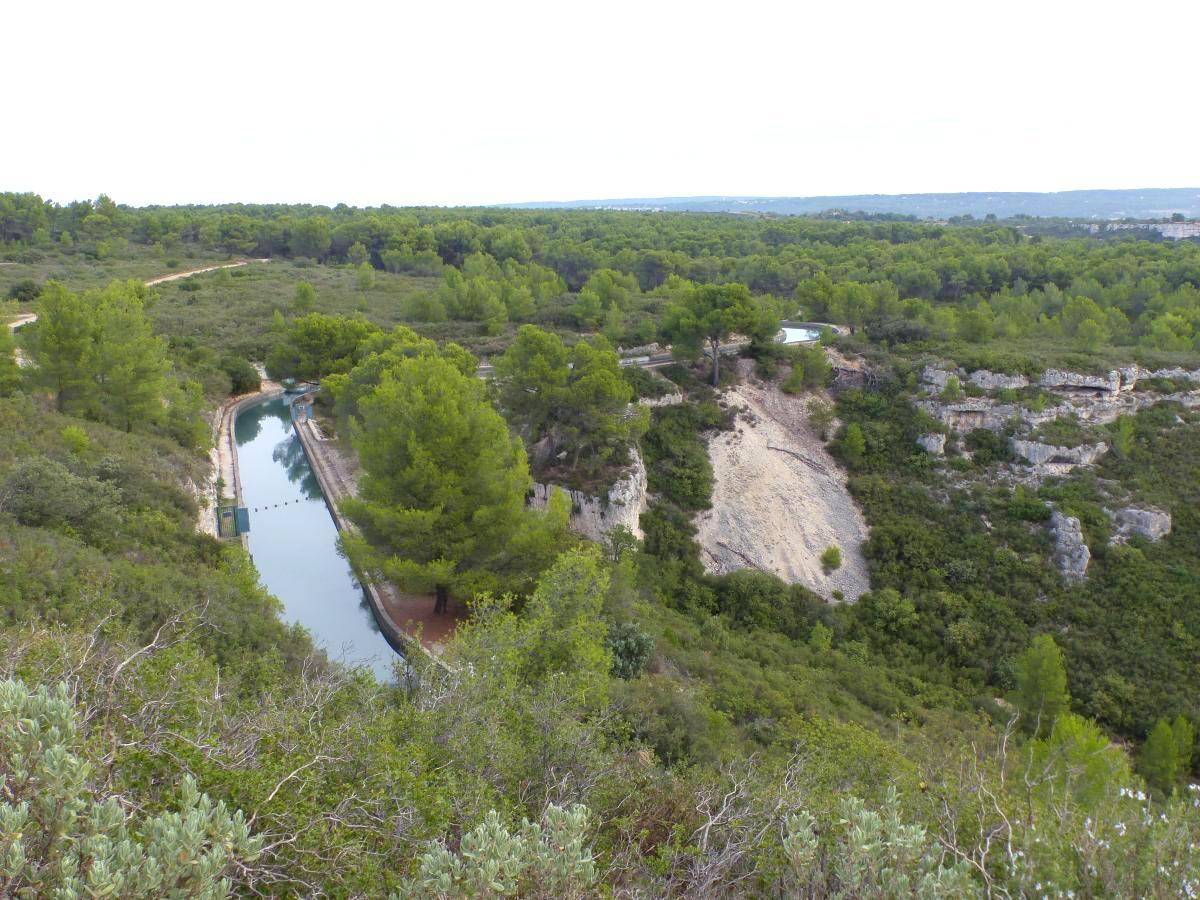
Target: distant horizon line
[[726, 197], [639, 199]]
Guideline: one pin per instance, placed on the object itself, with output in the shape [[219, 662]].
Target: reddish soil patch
[[414, 612]]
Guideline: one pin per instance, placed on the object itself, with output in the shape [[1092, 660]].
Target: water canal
[[795, 335], [294, 542]]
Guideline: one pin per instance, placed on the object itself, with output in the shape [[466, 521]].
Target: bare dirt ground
[[15, 323], [175, 276], [780, 499]]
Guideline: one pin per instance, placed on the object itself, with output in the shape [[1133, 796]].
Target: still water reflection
[[294, 542]]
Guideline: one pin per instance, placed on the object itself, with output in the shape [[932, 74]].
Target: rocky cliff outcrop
[[933, 443], [936, 377], [1152, 524], [594, 517], [997, 381], [1175, 374], [1109, 382], [967, 415], [665, 400], [1071, 555], [1038, 454]]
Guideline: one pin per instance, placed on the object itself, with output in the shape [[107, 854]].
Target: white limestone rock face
[[1071, 554], [1152, 524], [996, 381], [1130, 376], [1039, 454], [967, 415], [936, 377], [1057, 378], [595, 517], [665, 400], [1175, 374], [933, 443], [642, 350]]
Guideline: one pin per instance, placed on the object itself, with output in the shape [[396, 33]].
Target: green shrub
[[821, 637], [831, 559], [1025, 506], [64, 838], [24, 291], [754, 599], [630, 648], [76, 439], [243, 377], [676, 453], [547, 860], [43, 493], [988, 447]]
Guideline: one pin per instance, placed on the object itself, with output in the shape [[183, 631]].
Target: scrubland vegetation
[[611, 720]]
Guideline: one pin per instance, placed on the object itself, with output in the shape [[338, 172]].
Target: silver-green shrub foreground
[[548, 860], [59, 837]]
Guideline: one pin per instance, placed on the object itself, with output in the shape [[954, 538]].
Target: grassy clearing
[[80, 272], [233, 308]]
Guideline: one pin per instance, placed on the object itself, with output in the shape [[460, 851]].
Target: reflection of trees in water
[[289, 454], [367, 612], [248, 426], [279, 409], [250, 421]]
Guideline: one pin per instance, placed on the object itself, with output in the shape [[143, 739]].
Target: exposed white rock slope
[[780, 500]]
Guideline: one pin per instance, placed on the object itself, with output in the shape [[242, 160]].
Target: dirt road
[[175, 276]]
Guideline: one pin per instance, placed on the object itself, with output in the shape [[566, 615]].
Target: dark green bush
[[24, 291], [630, 648], [988, 447], [243, 377], [41, 492]]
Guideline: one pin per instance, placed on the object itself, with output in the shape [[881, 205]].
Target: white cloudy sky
[[487, 102]]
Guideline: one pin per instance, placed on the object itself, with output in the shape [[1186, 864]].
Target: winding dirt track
[[175, 276], [26, 318]]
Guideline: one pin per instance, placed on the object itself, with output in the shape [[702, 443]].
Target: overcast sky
[[489, 102]]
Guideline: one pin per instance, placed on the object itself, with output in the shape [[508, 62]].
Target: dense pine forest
[[1002, 713]]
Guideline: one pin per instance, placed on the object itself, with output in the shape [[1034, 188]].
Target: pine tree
[[853, 444], [306, 298], [444, 483], [127, 361], [708, 314], [1166, 756], [365, 276], [62, 338], [1159, 760], [1042, 684]]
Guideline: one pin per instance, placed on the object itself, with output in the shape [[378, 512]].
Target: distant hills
[[1145, 203]]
